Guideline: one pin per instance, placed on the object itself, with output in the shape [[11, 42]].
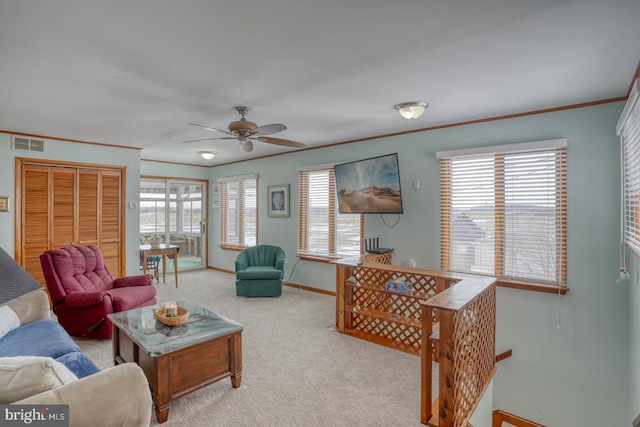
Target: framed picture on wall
[[278, 200]]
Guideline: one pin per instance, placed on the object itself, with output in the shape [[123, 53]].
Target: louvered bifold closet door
[[88, 207], [35, 218], [111, 220], [68, 205], [63, 200]]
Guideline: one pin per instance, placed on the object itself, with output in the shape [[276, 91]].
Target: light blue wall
[[574, 375], [169, 170], [79, 153]]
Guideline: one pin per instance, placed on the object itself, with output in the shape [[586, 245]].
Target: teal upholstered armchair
[[259, 271]]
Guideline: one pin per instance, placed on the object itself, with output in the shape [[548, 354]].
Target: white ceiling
[[135, 72]]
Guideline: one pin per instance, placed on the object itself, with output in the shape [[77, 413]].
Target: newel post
[[426, 398]]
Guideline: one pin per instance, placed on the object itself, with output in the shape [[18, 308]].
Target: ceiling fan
[[246, 132]]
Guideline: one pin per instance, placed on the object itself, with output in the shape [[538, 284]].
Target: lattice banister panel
[[474, 352], [466, 350], [387, 317]]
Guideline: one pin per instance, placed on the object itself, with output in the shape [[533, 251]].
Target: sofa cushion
[[47, 338], [30, 307], [24, 376], [43, 337], [15, 280], [259, 272], [78, 363], [8, 320]]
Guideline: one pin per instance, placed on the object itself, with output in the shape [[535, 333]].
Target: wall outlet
[[624, 274], [286, 265]]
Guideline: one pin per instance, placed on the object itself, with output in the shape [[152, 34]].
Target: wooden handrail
[[500, 417], [504, 355]]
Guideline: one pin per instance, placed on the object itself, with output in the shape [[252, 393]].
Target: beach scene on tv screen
[[370, 185]]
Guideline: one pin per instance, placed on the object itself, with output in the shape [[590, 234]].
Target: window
[[325, 233], [152, 208], [629, 130], [504, 212], [238, 212], [173, 209]]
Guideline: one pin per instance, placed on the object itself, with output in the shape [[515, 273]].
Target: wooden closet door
[[63, 207], [111, 220], [70, 205], [35, 218], [88, 200]]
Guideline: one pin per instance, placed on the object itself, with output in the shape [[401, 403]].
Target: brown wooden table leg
[[164, 268], [236, 380], [161, 388], [236, 359], [175, 265], [162, 414]]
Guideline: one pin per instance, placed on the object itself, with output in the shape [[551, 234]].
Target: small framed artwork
[[278, 199], [4, 203]]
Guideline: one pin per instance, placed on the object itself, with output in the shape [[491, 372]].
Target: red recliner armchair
[[83, 292]]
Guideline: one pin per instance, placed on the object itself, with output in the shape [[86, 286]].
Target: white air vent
[[27, 144]]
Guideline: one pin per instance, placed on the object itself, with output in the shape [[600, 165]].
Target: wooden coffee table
[[178, 360]]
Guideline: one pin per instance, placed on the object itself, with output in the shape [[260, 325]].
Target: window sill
[[536, 287], [317, 258], [233, 248]]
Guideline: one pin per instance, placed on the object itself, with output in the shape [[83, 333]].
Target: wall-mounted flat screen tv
[[369, 186]]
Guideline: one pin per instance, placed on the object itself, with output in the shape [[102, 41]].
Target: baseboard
[[292, 285], [221, 269], [310, 289]]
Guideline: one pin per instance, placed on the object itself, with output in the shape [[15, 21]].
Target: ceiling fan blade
[[213, 129], [280, 141], [269, 129], [211, 139], [246, 145], [196, 140]]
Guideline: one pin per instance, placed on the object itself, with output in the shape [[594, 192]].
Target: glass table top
[[156, 338]]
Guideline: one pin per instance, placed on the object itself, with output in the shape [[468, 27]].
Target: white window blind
[[504, 213], [238, 212], [629, 130], [323, 231]]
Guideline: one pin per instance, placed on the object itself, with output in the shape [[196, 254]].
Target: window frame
[[223, 189], [333, 253], [499, 153], [628, 129]]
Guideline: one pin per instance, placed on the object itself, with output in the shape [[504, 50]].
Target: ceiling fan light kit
[[207, 155], [246, 132], [411, 110]]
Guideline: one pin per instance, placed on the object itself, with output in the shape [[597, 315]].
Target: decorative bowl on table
[[180, 319], [155, 241]]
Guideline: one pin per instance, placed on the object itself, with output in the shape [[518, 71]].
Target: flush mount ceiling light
[[207, 155], [411, 110]]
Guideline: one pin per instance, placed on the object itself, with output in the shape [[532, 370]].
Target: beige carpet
[[296, 371]]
